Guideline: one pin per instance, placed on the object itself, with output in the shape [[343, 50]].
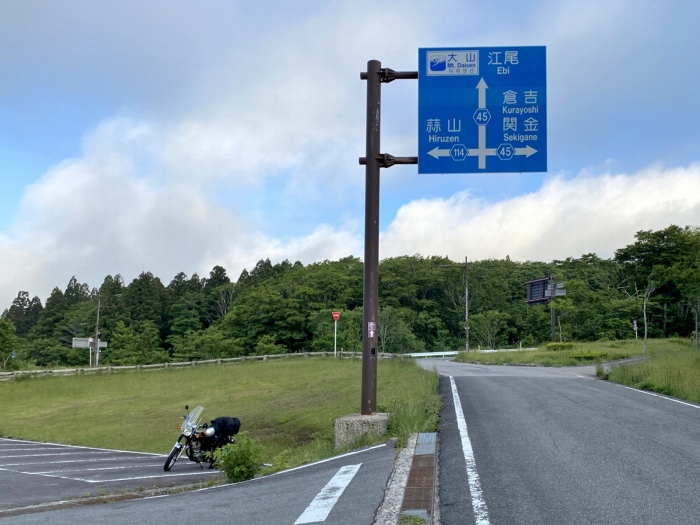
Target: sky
[[172, 136]]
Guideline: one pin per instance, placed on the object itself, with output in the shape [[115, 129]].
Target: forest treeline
[[287, 307]]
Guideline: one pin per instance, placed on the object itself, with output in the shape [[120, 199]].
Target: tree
[[113, 308], [146, 299], [51, 354], [24, 313], [136, 344], [76, 292], [8, 342], [659, 252], [686, 275], [186, 313], [264, 310], [217, 278], [689, 284], [395, 335], [486, 327], [219, 292], [266, 346], [182, 285], [648, 290], [201, 345], [51, 317], [222, 299]]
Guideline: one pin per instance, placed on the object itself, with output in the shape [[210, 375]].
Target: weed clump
[[240, 461], [560, 346]]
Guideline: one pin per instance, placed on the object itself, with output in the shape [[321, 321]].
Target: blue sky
[[171, 136]]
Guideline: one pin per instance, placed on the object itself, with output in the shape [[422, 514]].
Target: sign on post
[[87, 342], [336, 316], [482, 110]]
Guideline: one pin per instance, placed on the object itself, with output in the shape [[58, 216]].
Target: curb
[[389, 510]]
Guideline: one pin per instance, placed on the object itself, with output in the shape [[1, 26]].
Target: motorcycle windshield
[[192, 419]]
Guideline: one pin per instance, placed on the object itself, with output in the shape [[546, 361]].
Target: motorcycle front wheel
[[172, 457]]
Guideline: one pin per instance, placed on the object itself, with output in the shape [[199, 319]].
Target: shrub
[[240, 460], [652, 387], [601, 372], [560, 346], [266, 346]]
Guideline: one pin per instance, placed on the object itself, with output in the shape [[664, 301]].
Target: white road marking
[[347, 454], [4, 441], [660, 396], [101, 460], [667, 398], [25, 448], [319, 509], [133, 478], [101, 469], [77, 452], [481, 513]]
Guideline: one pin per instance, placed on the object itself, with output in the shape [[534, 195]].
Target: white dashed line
[[322, 505]]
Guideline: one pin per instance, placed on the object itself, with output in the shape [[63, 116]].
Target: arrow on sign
[[437, 152], [527, 151], [482, 87]]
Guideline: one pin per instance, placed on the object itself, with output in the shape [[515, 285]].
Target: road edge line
[[481, 513]]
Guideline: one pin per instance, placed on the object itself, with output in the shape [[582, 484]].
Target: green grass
[[580, 354], [288, 406], [674, 371]]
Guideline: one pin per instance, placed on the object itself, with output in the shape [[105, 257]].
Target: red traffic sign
[[336, 315]]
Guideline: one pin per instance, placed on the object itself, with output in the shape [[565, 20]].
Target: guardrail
[[434, 354], [5, 376]]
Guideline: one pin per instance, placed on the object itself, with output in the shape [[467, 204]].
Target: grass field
[[673, 370], [289, 406], [581, 354]]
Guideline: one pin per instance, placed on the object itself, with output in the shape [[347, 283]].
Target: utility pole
[[97, 333], [466, 302], [552, 313]]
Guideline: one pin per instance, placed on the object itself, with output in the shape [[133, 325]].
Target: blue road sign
[[482, 110]]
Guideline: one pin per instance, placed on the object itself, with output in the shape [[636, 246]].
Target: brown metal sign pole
[[371, 276], [373, 161]]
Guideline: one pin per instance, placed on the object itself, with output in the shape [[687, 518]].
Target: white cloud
[[564, 218], [230, 132], [116, 210], [98, 215]]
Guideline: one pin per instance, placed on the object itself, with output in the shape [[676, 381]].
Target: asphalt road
[[559, 446], [40, 473], [518, 445], [345, 490]]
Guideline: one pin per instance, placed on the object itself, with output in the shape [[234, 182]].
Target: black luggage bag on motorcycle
[[226, 427]]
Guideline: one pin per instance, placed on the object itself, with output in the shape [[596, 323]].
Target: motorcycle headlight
[[187, 432]]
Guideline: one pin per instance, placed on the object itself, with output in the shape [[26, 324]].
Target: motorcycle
[[199, 441]]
